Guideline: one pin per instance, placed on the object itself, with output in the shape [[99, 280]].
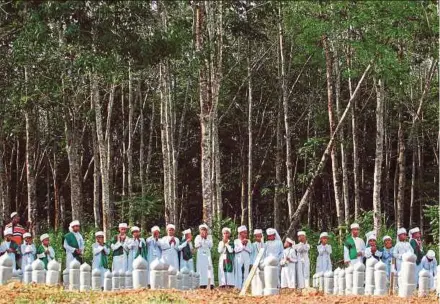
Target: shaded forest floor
[[19, 293]]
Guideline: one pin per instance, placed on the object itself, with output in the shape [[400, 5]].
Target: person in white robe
[[387, 255], [75, 249], [372, 251], [11, 248], [187, 250], [243, 251], [257, 246], [45, 252], [303, 264], [154, 252], [416, 243], [203, 244], [225, 248], [100, 255], [274, 246], [429, 263], [28, 251], [323, 261], [120, 249], [288, 265], [354, 246], [136, 246], [402, 246], [170, 247]]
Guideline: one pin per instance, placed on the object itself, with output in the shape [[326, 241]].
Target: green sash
[[228, 263], [104, 258], [186, 251], [73, 242], [42, 250], [120, 250], [144, 251], [417, 251], [351, 246]]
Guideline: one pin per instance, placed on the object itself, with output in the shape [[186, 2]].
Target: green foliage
[[431, 213]]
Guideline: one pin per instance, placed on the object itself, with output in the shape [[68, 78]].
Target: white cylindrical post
[[271, 273], [336, 281], [172, 278], [185, 278], [349, 280], [27, 278], [369, 276], [38, 272], [341, 283], [164, 281], [191, 280], [321, 281], [196, 280], [407, 275], [74, 275], [115, 280], [380, 279], [155, 275], [438, 281], [257, 286], [85, 273], [53, 273], [108, 281], [66, 278], [121, 280], [328, 282], [96, 279], [6, 264], [314, 281], [140, 273], [358, 279], [179, 281], [424, 282], [128, 280]]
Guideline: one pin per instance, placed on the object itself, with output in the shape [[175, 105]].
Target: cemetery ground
[[20, 293]]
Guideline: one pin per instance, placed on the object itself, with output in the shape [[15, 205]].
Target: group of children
[[236, 256]]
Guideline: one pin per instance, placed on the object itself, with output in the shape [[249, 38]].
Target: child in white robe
[[402, 246], [242, 260], [225, 248], [136, 247], [303, 265], [372, 251], [100, 255], [288, 265], [187, 250], [257, 246], [170, 247], [274, 246], [10, 248], [28, 251], [429, 263], [323, 261], [120, 250], [203, 244]]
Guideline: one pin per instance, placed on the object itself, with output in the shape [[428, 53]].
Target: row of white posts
[[371, 279], [83, 278]]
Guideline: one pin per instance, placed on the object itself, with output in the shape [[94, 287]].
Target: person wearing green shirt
[[354, 246], [100, 255], [73, 244], [45, 252], [417, 246]]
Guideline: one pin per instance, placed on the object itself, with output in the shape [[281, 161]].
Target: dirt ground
[[19, 293]]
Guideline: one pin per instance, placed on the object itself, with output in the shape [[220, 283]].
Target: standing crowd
[[236, 257]]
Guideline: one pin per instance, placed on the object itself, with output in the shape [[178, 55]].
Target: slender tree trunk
[[412, 220], [130, 144], [401, 176], [96, 174], [142, 153], [278, 169], [4, 185], [150, 142], [420, 174], [243, 197], [250, 105]]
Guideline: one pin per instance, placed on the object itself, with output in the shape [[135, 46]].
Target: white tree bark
[[401, 174]]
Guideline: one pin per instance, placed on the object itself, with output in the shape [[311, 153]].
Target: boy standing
[[45, 252], [28, 251], [73, 244]]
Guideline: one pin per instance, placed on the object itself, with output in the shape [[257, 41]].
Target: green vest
[[104, 258], [418, 251], [120, 250], [45, 260], [351, 246], [186, 251], [73, 242], [228, 263], [143, 252], [14, 245]]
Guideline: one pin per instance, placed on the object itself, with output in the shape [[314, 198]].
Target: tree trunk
[[289, 168], [412, 220], [333, 152], [142, 153], [249, 173], [401, 176], [96, 173], [377, 214], [30, 170], [278, 169], [130, 145], [5, 199]]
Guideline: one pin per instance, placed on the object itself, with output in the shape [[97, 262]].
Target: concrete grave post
[[121, 276], [341, 283], [128, 280], [74, 273], [336, 281], [108, 281], [53, 273], [172, 278], [27, 278], [407, 276], [369, 276], [6, 264], [38, 272], [424, 282], [328, 282], [349, 280], [96, 279], [85, 276], [115, 280], [358, 279], [271, 273], [185, 278], [380, 279], [140, 272]]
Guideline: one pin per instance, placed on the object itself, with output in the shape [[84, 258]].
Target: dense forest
[[269, 113]]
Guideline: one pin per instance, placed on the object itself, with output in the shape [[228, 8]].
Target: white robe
[[71, 250], [256, 247], [431, 266], [186, 264], [288, 268], [204, 262], [120, 262], [274, 248], [224, 278], [303, 265], [360, 247], [153, 253], [323, 261], [51, 255], [399, 250], [28, 253], [242, 262], [4, 247], [96, 264], [170, 252], [134, 246]]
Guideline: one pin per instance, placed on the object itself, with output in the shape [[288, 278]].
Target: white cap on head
[[8, 231], [258, 231], [301, 233], [289, 240], [26, 235], [430, 254], [401, 231], [135, 228], [226, 229], [369, 234], [123, 225], [372, 237], [270, 231], [155, 228], [355, 226], [43, 237], [74, 223], [187, 231], [323, 234], [241, 229], [203, 226], [171, 226], [414, 230], [99, 233], [386, 237], [13, 214]]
